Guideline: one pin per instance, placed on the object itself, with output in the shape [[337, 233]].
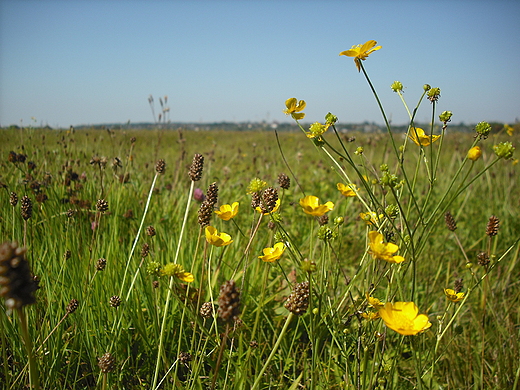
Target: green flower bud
[[384, 167], [153, 268], [397, 86], [483, 129], [308, 266], [331, 119], [427, 87], [445, 116], [504, 150], [359, 150], [325, 233], [392, 211], [389, 180], [434, 94], [338, 221]]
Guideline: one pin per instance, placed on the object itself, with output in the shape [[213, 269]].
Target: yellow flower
[[374, 302], [509, 129], [215, 238], [177, 270], [474, 153], [361, 52], [370, 315], [418, 136], [383, 250], [294, 107], [275, 208], [317, 129], [404, 318], [371, 218], [454, 296], [348, 190], [227, 212], [311, 205], [273, 254]]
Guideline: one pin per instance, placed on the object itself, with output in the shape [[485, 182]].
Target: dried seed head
[[72, 306], [160, 166], [184, 358], [256, 199], [483, 259], [102, 205], [450, 221], [228, 302], [298, 301], [145, 250], [206, 310], [196, 167], [205, 212], [107, 363], [323, 220], [13, 199], [115, 301], [269, 198], [459, 285], [132, 140], [492, 226], [101, 263], [67, 254], [26, 205], [71, 213], [212, 194], [284, 181], [17, 285], [253, 344], [155, 284], [150, 230]]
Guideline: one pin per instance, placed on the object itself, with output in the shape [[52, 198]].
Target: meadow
[[351, 261]]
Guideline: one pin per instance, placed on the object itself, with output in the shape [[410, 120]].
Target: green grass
[[329, 347]]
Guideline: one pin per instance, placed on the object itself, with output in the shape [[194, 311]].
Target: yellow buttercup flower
[[361, 52], [274, 253], [418, 136], [370, 315], [294, 107], [404, 318], [454, 296], [371, 218], [374, 302], [275, 208], [509, 129], [311, 205], [383, 250], [474, 153], [348, 190], [178, 271], [227, 212], [215, 238]]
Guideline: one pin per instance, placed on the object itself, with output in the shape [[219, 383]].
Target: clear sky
[[97, 61]]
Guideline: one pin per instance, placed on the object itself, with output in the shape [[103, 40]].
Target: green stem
[[33, 369]]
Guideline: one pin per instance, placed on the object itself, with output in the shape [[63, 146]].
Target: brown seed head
[[492, 226], [196, 167], [115, 301], [212, 194], [17, 285], [206, 310], [26, 206], [101, 264], [228, 302], [450, 221], [256, 200], [298, 301], [269, 198], [284, 181], [205, 212], [185, 358], [483, 259], [323, 220], [150, 230], [160, 166], [13, 199], [102, 205], [72, 306], [145, 250], [107, 363]]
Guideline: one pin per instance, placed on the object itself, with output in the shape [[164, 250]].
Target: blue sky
[[93, 61]]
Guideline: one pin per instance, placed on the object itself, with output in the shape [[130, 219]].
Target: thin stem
[[33, 369]]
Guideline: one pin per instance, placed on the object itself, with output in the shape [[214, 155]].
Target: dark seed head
[[298, 301], [197, 165], [228, 302], [107, 363]]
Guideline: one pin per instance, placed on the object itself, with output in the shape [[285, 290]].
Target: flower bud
[[427, 87], [339, 221], [434, 94], [483, 129], [330, 118], [504, 150], [397, 86], [445, 116], [308, 266], [474, 153]]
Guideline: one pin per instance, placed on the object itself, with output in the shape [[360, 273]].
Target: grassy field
[[112, 230]]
